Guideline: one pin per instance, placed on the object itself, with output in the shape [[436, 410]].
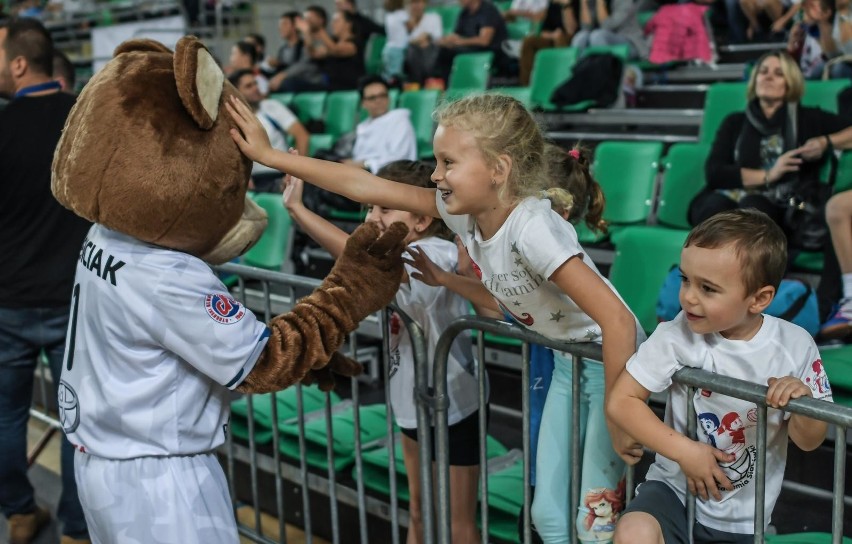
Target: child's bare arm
[[805, 432], [354, 183], [326, 234], [627, 407], [471, 289]]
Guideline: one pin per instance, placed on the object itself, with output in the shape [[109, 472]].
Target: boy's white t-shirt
[[779, 349], [515, 264], [433, 308], [155, 343]]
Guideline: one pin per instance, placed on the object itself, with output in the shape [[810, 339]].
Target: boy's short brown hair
[[759, 243]]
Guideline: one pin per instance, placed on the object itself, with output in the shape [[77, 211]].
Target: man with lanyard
[[279, 122], [40, 242]]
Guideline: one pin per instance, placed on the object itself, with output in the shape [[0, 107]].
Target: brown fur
[[143, 154]]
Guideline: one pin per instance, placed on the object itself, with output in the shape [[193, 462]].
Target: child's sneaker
[[839, 325]]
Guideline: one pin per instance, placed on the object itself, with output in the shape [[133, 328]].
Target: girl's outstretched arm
[[618, 327], [353, 183], [323, 232]]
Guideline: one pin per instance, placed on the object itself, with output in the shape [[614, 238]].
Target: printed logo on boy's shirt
[[223, 309], [706, 393], [728, 434], [817, 380]]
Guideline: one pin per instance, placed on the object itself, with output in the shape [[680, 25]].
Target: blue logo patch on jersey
[[223, 309]]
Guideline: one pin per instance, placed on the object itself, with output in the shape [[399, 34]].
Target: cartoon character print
[[728, 433], [604, 505], [817, 380]]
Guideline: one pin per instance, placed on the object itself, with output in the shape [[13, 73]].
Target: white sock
[[847, 286]]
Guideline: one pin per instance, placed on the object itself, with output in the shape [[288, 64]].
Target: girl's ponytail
[[574, 193]]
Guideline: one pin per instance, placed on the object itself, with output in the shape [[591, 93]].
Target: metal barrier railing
[[839, 416]]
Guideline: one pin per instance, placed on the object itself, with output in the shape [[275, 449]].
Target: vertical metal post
[[303, 455], [359, 453], [394, 498], [332, 473], [760, 476], [483, 434], [525, 412], [839, 484], [574, 499], [691, 430]]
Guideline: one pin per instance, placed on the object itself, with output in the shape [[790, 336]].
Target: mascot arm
[[364, 280]]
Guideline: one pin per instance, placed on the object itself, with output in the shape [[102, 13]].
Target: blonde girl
[[490, 172]]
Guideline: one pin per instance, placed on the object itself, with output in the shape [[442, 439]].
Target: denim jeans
[[24, 333]]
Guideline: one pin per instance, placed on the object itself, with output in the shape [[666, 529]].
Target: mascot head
[[146, 151]]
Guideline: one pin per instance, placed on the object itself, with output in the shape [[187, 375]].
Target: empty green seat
[[823, 94], [837, 361], [284, 98], [621, 51], [627, 173], [520, 28], [721, 100], [273, 248], [471, 71], [506, 500], [421, 104], [373, 53], [683, 178], [803, 538], [310, 106], [341, 110], [373, 427], [551, 68], [319, 141], [643, 257], [521, 94], [449, 16], [287, 404]]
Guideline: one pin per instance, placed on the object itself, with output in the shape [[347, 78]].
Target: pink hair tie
[[575, 154]]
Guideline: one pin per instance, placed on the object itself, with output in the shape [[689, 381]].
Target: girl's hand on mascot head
[[251, 136]]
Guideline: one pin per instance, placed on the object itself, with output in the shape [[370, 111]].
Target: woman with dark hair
[[759, 154]]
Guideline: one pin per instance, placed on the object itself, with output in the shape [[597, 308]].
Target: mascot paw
[[338, 364]]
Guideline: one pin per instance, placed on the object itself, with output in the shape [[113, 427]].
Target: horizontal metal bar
[[729, 72], [676, 88], [811, 491], [563, 135], [752, 47], [644, 117]]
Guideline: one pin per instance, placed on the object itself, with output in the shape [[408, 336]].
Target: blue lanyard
[[46, 86]]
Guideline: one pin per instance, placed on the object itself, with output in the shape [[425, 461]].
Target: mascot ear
[[199, 81]]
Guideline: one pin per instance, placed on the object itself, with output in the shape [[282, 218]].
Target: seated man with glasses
[[386, 135]]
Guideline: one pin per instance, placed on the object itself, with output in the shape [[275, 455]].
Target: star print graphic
[[591, 335], [516, 303], [518, 261], [515, 248], [557, 316]]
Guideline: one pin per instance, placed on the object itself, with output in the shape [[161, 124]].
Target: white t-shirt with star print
[[515, 264]]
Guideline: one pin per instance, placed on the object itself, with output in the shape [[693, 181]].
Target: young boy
[[731, 265]]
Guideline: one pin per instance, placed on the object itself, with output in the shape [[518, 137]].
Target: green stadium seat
[[471, 71], [522, 94], [284, 98], [645, 16], [551, 68], [627, 173], [310, 106], [638, 278], [521, 28], [823, 94], [722, 99], [837, 361], [319, 141], [621, 51], [341, 109], [803, 538], [449, 16], [373, 54], [287, 404], [273, 248], [683, 178], [421, 104]]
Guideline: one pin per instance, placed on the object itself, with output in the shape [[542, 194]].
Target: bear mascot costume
[[155, 343]]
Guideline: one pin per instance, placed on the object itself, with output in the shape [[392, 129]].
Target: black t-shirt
[[39, 239], [469, 24], [344, 72], [553, 16]]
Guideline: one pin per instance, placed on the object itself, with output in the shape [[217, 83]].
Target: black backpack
[[596, 77]]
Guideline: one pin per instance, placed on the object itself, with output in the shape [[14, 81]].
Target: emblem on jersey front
[[223, 309], [69, 408]]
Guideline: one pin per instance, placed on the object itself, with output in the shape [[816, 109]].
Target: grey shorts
[[659, 500]]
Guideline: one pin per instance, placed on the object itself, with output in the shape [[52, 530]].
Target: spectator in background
[[480, 27], [413, 37], [340, 59], [292, 50], [756, 153], [305, 72], [807, 39], [244, 57], [386, 135], [40, 242], [534, 10], [774, 10], [557, 30], [259, 43], [64, 72], [736, 21], [836, 41], [363, 26], [838, 215], [605, 23], [279, 122]]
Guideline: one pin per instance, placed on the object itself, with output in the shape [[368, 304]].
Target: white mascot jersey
[[154, 345]]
